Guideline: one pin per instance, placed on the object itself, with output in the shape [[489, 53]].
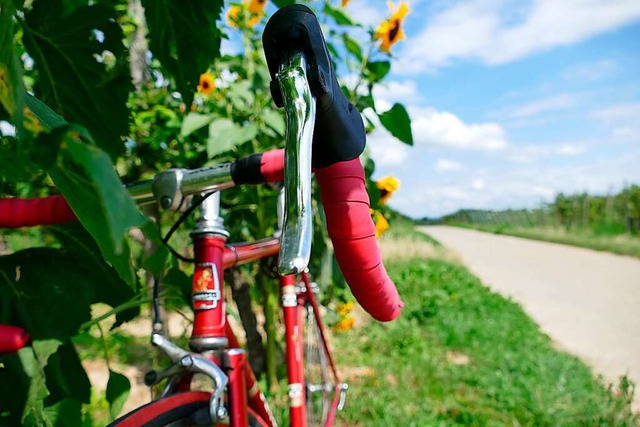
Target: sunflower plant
[[79, 127]]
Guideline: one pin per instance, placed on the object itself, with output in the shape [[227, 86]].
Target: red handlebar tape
[[12, 338], [16, 213], [272, 165], [346, 205]]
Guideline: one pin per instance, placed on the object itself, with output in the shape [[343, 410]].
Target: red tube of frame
[[256, 399], [236, 364], [208, 302], [295, 368]]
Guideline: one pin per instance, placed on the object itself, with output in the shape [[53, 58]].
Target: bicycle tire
[[189, 408], [319, 388]]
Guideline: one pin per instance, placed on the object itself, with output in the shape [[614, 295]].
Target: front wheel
[[182, 409]]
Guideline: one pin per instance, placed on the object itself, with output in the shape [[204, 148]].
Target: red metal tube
[[236, 362], [295, 367], [256, 399], [246, 252]]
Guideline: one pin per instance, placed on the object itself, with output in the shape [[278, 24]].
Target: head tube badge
[[206, 289]]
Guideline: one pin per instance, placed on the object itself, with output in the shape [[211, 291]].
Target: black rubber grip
[[247, 170], [339, 133]]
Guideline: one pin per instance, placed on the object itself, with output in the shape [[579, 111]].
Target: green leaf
[[11, 87], [275, 121], [241, 96], [22, 387], [118, 389], [180, 282], [66, 413], [48, 118], [353, 47], [377, 70], [193, 122], [339, 15], [41, 284], [398, 122], [283, 3], [66, 378], [184, 37], [109, 287], [224, 134], [72, 80], [85, 176]]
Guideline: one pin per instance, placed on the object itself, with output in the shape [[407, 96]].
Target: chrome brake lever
[[300, 110]]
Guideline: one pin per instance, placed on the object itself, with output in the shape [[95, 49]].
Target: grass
[[621, 244], [462, 355]]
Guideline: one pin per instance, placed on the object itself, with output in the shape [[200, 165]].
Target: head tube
[[300, 111]]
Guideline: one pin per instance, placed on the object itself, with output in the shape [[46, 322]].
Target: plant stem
[[134, 302]]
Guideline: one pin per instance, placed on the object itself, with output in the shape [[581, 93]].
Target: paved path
[[588, 302]]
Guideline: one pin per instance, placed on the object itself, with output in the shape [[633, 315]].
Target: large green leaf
[[85, 176], [110, 288], [48, 118], [377, 70], [398, 122], [118, 389], [193, 122], [49, 293], [353, 47], [11, 86], [66, 413], [283, 3], [339, 15], [73, 79], [275, 121], [66, 378], [183, 35], [22, 387], [224, 134]]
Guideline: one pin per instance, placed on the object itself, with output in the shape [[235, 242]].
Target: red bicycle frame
[[211, 332]]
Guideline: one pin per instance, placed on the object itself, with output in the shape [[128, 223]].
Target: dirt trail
[[588, 302]]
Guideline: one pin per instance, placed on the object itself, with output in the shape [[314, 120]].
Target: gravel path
[[588, 302]]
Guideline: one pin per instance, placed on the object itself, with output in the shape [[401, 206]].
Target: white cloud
[[385, 149], [618, 112], [387, 93], [525, 186], [541, 106], [478, 184], [500, 31], [444, 129], [591, 71], [445, 165], [534, 152], [623, 119]]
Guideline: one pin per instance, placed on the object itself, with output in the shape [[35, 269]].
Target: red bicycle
[[324, 131]]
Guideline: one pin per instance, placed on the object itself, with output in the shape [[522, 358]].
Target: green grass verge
[[462, 355], [621, 245]]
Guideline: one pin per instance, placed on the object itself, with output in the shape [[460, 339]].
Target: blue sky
[[511, 101]]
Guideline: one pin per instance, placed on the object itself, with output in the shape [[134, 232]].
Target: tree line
[[611, 214]]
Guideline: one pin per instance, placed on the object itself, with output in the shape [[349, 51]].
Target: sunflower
[[256, 9], [380, 222], [390, 31], [344, 309], [207, 85], [233, 16], [387, 186], [345, 324]]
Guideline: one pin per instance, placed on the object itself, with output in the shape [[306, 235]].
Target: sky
[[511, 102]]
